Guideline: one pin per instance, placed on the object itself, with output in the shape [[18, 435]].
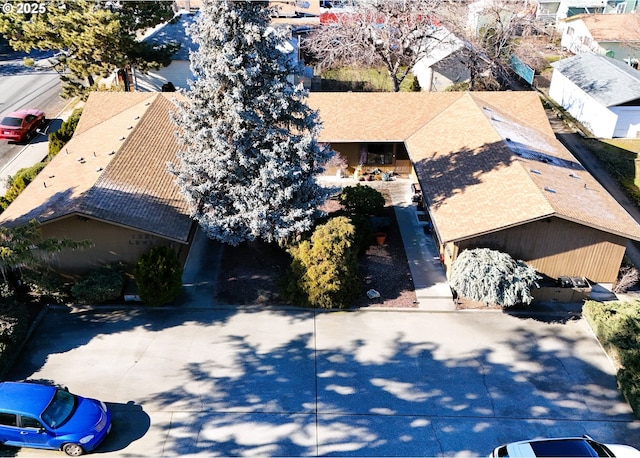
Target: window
[[8, 419], [28, 422], [376, 154]]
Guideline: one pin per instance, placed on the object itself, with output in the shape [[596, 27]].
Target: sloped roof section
[[504, 172], [376, 117], [613, 28], [611, 82], [114, 170]]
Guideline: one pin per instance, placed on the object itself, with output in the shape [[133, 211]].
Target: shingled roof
[[610, 81], [611, 28], [486, 161], [113, 169]]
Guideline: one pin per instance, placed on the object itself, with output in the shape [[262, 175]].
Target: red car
[[21, 124]]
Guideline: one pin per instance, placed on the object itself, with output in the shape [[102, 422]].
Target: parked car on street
[[566, 446], [47, 417], [21, 125]]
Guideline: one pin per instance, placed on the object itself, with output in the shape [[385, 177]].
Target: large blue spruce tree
[[249, 153]]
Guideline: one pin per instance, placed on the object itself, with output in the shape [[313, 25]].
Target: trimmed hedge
[[324, 270], [617, 327], [158, 276], [60, 137], [102, 284], [363, 200]]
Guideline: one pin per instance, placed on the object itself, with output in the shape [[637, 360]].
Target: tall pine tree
[[249, 153]]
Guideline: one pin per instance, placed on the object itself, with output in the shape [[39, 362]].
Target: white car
[[566, 446]]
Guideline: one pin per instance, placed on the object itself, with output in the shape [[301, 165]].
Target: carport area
[[286, 382]]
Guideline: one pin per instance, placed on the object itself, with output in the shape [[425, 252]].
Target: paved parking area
[[284, 382]]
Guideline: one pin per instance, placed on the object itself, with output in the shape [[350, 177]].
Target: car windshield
[[11, 121], [564, 447], [59, 409]]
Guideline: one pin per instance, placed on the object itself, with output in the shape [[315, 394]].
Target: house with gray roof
[[600, 92]]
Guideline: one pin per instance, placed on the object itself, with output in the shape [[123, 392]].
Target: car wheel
[[73, 449]]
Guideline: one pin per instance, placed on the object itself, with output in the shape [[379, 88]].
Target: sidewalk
[[37, 150], [429, 279]]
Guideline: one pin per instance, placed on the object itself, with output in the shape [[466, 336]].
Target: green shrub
[[60, 137], [18, 182], [363, 200], [102, 284], [617, 326], [158, 276], [324, 270], [14, 323], [47, 284], [364, 228]]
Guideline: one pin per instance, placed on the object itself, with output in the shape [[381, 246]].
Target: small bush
[[324, 270], [18, 182], [14, 323], [60, 137], [101, 285], [363, 200], [47, 284], [617, 327], [158, 276]]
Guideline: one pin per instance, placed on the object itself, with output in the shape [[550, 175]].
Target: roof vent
[[551, 190], [81, 160], [130, 127], [112, 153], [136, 118], [573, 175], [99, 169], [537, 172], [122, 139]]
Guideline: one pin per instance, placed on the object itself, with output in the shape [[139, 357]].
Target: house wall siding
[[110, 243], [556, 247], [595, 117]]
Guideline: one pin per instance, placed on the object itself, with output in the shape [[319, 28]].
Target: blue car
[[43, 416]]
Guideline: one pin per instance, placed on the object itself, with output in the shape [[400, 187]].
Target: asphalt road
[[21, 87], [192, 381]]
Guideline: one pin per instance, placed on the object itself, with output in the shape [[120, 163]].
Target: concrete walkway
[[429, 279]]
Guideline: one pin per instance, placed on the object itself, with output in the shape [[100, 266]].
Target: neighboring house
[[444, 65], [554, 11], [490, 168], [600, 92], [612, 35], [178, 72], [493, 175], [110, 185]]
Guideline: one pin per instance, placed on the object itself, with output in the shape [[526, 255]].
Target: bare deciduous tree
[[391, 33], [492, 31]]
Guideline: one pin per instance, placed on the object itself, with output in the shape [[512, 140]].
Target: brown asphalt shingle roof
[[486, 161], [113, 169], [612, 27]]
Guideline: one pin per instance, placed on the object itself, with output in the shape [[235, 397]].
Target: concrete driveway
[[285, 382]]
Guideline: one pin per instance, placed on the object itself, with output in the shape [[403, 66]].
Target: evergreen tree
[[249, 152], [91, 40], [493, 277]]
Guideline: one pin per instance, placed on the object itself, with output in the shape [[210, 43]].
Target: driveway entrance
[[286, 382]]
